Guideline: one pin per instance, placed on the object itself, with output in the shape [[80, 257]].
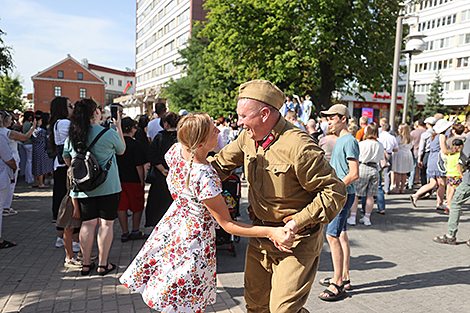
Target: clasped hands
[[284, 237]]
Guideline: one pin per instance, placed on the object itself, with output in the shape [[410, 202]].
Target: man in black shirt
[[131, 175]]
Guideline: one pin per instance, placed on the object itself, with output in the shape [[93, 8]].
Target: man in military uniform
[[289, 181]]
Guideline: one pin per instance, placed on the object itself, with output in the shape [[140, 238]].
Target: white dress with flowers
[[175, 271]]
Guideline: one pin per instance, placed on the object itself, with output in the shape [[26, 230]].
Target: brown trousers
[[280, 282]]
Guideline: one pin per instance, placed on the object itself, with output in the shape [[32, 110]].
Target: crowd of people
[[287, 159]]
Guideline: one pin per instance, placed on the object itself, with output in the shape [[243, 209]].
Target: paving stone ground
[[395, 265]]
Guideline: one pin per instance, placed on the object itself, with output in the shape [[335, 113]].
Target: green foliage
[[10, 93], [205, 86], [304, 46], [6, 60], [434, 103]]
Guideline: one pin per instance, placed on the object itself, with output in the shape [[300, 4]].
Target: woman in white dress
[[403, 158], [175, 271]]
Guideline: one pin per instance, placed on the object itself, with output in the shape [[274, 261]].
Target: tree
[[205, 86], [434, 103], [316, 46], [10, 93], [6, 60]]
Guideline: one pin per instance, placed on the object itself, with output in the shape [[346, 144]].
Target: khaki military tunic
[[287, 175]]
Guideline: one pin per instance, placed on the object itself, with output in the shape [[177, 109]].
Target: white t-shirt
[[371, 151], [224, 133], [61, 132], [153, 128], [388, 141]]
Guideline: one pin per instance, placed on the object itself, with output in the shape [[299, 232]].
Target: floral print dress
[[175, 271]]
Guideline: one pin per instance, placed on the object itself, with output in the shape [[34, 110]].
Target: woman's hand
[[283, 238]]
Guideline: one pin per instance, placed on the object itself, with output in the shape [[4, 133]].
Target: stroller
[[232, 193]]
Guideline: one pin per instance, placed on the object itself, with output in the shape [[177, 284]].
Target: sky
[[43, 32]]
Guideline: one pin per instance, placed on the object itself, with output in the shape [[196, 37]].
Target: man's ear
[[265, 113]]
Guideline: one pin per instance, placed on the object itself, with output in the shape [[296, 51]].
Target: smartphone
[[114, 110]]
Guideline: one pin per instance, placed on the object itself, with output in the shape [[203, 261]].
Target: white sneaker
[[51, 181], [59, 243], [352, 220], [365, 220], [76, 246]]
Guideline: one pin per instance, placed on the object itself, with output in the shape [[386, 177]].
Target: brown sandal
[[445, 239]]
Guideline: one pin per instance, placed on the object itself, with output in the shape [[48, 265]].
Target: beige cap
[[264, 91], [337, 109]]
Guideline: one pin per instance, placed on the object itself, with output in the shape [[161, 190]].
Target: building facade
[[446, 24], [162, 28], [116, 81], [67, 78]]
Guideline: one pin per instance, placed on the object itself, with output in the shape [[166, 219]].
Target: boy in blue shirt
[[344, 160]]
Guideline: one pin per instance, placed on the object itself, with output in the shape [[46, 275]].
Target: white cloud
[[41, 37]]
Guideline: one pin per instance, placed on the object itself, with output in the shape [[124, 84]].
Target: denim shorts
[[338, 224]]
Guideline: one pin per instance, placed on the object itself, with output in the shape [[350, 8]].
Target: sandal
[[7, 244], [90, 268], [44, 186], [125, 237], [137, 236], [444, 239], [413, 201], [9, 211], [106, 269], [326, 282], [333, 296]]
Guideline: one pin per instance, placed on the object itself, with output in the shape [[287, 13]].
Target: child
[[175, 269], [454, 171]]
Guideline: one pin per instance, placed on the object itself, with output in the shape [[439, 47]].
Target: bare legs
[[68, 232], [136, 218], [439, 182], [400, 181], [340, 253], [104, 239]]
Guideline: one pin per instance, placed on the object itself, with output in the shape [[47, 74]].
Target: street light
[[396, 64], [414, 46]]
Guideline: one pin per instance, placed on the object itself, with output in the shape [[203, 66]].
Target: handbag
[[383, 164], [151, 175]]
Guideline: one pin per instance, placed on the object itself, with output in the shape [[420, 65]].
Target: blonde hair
[[352, 129], [193, 130], [404, 132]]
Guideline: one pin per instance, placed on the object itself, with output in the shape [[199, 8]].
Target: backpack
[[85, 171], [464, 161]]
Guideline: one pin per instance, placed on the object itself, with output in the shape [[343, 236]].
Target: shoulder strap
[[96, 139]]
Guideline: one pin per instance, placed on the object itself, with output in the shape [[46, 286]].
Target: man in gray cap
[[345, 161], [289, 183]]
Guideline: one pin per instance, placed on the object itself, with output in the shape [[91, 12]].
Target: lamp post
[[396, 65], [413, 104], [414, 46]]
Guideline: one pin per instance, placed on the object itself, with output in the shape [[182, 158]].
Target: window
[[60, 74], [80, 76], [169, 67], [140, 48], [111, 81], [159, 70], [446, 85], [140, 33], [464, 39], [57, 91], [444, 65], [183, 17], [169, 6], [183, 39], [161, 14], [82, 93], [169, 46], [119, 83], [160, 33], [461, 85]]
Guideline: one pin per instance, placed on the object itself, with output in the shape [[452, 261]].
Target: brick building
[[67, 78]]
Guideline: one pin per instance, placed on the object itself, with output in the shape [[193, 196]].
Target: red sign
[[384, 96]]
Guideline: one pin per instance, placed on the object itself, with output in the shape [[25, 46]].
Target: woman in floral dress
[[175, 271]]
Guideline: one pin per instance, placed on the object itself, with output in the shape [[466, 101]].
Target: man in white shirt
[[154, 127], [390, 144]]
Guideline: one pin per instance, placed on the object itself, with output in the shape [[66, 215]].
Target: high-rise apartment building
[[446, 24], [163, 27]]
